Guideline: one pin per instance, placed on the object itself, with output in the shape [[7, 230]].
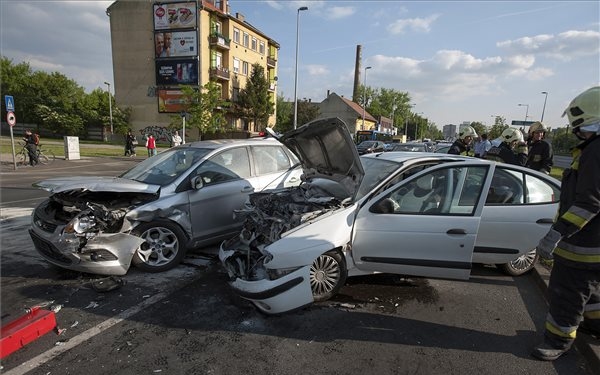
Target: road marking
[[103, 326]]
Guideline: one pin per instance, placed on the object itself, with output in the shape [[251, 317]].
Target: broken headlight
[[80, 224], [275, 274]]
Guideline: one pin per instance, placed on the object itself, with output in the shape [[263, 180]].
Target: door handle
[[247, 189], [456, 231], [545, 221]]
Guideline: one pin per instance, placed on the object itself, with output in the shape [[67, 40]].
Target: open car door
[[423, 226]]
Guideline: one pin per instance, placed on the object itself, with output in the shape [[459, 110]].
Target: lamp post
[[110, 110], [526, 111], [296, 73], [544, 109], [364, 98]]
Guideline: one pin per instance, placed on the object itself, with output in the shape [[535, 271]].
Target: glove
[[548, 243]]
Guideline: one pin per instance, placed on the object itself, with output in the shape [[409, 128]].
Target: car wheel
[[327, 275], [521, 265], [164, 247]]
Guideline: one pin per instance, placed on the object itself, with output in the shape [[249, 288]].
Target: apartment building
[[158, 46]]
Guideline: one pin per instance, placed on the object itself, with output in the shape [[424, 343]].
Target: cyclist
[[31, 146]]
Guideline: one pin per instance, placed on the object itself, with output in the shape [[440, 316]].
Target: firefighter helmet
[[536, 127], [584, 110], [510, 135], [467, 131]]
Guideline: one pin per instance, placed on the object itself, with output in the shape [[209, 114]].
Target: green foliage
[[497, 128], [563, 141], [254, 102], [206, 108], [284, 119]]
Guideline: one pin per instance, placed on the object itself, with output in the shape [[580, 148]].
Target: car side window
[[270, 159], [540, 191], [225, 166], [506, 188]]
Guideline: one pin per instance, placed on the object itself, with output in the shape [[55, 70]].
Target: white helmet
[[536, 127], [510, 135], [584, 111], [467, 131]]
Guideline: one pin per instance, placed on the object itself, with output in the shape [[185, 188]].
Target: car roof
[[403, 156], [219, 143]]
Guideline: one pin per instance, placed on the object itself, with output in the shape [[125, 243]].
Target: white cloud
[[317, 70], [413, 24], [564, 46], [339, 12]]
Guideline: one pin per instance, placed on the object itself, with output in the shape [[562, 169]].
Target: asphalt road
[[187, 320]]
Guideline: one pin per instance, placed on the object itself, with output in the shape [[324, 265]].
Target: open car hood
[[91, 183], [326, 150]]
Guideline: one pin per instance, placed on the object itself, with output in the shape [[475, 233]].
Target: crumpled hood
[[326, 150], [95, 183]]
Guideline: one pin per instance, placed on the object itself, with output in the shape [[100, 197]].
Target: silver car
[[150, 215]]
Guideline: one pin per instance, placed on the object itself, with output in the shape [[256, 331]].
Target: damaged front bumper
[[270, 295]]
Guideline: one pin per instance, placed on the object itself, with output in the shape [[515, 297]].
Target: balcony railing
[[219, 73], [218, 40], [271, 61]]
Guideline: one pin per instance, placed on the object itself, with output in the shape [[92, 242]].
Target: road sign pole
[[12, 143]]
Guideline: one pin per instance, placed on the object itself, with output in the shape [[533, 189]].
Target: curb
[[587, 345]]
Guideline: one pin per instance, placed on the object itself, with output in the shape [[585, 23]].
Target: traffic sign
[[522, 123], [10, 103], [11, 118]]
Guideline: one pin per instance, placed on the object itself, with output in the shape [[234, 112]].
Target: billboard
[[175, 44], [177, 72], [170, 101], [174, 15]]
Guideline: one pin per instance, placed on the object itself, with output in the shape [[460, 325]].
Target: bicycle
[[44, 156]]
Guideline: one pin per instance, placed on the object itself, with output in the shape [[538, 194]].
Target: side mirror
[[197, 183]]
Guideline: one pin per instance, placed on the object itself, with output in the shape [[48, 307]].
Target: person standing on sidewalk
[[151, 145], [573, 242]]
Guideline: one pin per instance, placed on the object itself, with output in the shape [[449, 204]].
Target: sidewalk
[[587, 345]]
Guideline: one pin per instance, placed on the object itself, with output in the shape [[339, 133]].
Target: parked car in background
[[442, 148], [150, 215], [367, 147], [410, 146], [430, 215]]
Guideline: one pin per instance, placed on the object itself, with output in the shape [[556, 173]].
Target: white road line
[[73, 342]]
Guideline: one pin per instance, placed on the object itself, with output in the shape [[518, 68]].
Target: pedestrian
[[512, 149], [31, 142], [176, 139], [483, 146], [130, 143], [573, 242], [539, 151], [463, 145], [151, 145]]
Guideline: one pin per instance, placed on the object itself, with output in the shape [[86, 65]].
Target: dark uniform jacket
[[460, 148], [540, 156], [578, 219], [504, 154]]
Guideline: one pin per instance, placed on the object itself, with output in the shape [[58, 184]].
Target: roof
[[357, 108]]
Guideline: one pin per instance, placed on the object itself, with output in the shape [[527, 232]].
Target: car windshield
[[164, 168], [376, 170], [409, 147]]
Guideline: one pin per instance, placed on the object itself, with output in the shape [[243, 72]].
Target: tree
[[498, 127], [254, 102], [206, 108], [285, 112], [307, 111]]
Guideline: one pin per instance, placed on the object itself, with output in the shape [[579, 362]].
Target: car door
[[272, 168], [423, 226], [226, 184]]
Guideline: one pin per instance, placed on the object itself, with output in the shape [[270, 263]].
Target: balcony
[[271, 61], [219, 73], [218, 41]]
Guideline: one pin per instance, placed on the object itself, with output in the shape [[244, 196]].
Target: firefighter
[[463, 145], [512, 150], [573, 242], [539, 151]]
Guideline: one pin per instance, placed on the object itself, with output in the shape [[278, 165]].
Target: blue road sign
[[522, 123], [10, 103]]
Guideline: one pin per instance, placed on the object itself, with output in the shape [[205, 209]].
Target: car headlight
[[80, 225], [275, 274]]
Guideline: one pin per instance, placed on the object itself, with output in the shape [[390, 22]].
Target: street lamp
[[296, 74], [544, 109], [526, 111], [109, 107], [364, 98]]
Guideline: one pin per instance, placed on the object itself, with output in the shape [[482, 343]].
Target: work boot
[[547, 352]]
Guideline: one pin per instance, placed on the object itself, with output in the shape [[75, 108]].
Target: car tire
[[521, 265], [164, 247], [327, 275]]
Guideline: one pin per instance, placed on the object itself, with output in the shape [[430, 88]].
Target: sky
[[458, 60]]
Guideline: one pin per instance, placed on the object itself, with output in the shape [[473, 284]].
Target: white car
[[409, 213]]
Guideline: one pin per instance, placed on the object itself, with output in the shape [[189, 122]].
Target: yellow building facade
[[159, 46]]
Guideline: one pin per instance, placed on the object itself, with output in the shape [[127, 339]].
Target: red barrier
[[25, 329]]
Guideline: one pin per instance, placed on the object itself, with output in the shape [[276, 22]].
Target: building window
[[236, 65], [216, 27], [246, 40], [216, 59], [245, 68], [254, 42], [236, 35], [261, 48]]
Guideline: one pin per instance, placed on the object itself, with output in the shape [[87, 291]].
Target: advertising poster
[[177, 72], [174, 15], [175, 44], [170, 101]]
